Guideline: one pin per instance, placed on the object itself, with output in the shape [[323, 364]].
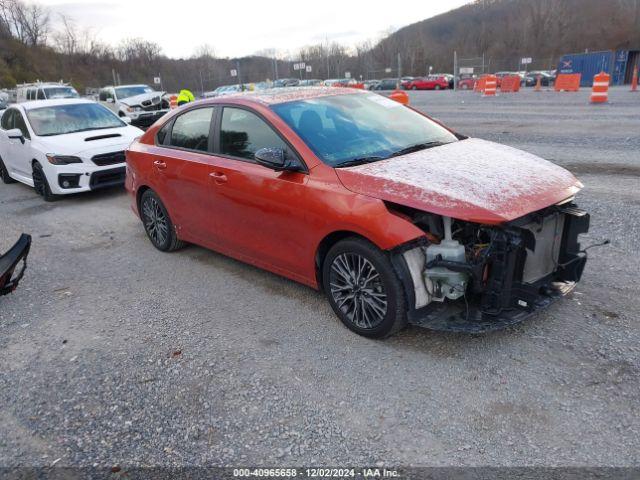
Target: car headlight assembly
[[62, 159]]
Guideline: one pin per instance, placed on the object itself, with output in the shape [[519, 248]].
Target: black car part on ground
[[497, 294], [9, 261]]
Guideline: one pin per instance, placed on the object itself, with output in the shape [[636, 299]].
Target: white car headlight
[[62, 159]]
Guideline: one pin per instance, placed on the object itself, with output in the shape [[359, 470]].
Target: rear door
[[181, 168]]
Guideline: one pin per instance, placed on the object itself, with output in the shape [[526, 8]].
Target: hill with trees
[[502, 31]]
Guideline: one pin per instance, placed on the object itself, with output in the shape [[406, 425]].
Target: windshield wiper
[[416, 148], [360, 161]]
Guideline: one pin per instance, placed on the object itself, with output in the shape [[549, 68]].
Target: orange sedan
[[395, 217]]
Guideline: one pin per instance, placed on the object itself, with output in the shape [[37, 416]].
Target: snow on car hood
[[155, 97], [473, 180]]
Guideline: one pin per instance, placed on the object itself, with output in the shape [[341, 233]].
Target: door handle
[[218, 177], [160, 165]]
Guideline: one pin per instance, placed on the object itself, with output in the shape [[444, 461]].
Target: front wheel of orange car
[[363, 288]]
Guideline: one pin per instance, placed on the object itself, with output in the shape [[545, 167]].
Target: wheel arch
[[325, 245]]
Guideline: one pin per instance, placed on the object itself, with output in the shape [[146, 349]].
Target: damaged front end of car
[[9, 262], [467, 277]]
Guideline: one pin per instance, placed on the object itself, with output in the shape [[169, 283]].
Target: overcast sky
[[243, 27]]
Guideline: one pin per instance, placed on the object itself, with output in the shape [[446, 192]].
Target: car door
[[6, 123], [21, 149], [259, 212], [17, 153], [181, 167]]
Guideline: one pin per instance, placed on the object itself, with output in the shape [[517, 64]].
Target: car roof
[[274, 96], [53, 103]]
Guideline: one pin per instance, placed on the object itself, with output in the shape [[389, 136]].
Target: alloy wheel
[[357, 290], [155, 221]]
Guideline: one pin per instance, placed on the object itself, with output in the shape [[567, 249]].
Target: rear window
[[191, 130]]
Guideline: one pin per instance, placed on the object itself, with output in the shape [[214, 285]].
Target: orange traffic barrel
[[400, 97], [634, 81], [600, 91], [491, 86]]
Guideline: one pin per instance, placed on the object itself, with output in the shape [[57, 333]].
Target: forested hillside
[[503, 30]]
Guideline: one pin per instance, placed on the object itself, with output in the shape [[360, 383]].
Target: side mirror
[[110, 100], [126, 120], [15, 134], [273, 158]]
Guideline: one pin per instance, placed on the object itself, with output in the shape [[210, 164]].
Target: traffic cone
[[400, 97], [634, 81], [538, 84]]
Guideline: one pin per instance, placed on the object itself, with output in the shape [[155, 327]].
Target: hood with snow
[[472, 179]]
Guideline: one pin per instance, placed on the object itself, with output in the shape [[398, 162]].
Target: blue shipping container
[[588, 64]]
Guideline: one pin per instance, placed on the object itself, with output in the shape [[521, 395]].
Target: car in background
[[313, 82], [386, 84], [450, 78], [432, 82], [286, 82], [44, 91], [63, 146], [371, 84], [395, 217], [467, 82], [531, 79], [141, 103]]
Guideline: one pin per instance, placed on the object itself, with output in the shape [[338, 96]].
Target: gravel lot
[[114, 353]]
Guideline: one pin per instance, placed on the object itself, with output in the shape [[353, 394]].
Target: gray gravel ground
[[114, 353]]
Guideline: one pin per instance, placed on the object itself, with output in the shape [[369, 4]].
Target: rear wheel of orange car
[[157, 223], [363, 288]]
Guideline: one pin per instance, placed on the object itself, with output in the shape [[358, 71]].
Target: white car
[[141, 103], [63, 146]]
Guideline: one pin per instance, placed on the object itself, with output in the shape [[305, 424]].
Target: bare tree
[[28, 23]]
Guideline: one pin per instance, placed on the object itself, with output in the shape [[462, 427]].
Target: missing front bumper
[[506, 292]]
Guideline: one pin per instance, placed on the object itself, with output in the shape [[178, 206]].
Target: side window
[[103, 96], [18, 122], [7, 120], [162, 133], [243, 133], [41, 94], [191, 130], [30, 94]]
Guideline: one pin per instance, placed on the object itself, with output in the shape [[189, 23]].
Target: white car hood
[[89, 143], [155, 97]]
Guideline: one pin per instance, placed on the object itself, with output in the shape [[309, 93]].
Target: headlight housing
[[62, 159]]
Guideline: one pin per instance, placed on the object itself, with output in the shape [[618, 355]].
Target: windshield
[[79, 117], [61, 92], [126, 92], [346, 129]]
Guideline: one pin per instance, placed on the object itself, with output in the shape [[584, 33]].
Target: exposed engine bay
[[471, 277]]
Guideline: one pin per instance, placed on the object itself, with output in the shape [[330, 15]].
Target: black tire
[[382, 281], [4, 174], [157, 223], [41, 184]]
